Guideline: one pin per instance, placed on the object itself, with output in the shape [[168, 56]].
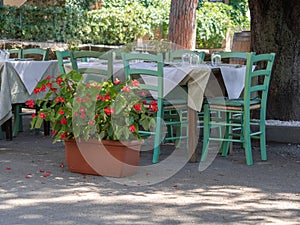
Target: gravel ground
[[37, 188]]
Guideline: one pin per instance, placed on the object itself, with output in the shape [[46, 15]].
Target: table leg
[[192, 135], [8, 129]]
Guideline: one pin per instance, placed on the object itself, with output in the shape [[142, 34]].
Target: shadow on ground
[[37, 188]]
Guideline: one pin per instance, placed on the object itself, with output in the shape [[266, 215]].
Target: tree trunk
[[275, 27], [182, 23]]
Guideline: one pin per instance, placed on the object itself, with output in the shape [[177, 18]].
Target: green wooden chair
[[43, 55], [37, 53], [62, 57], [164, 106], [226, 57], [238, 120], [97, 74]]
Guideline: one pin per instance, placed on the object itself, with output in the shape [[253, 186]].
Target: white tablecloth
[[195, 78], [31, 72], [15, 89], [234, 79]]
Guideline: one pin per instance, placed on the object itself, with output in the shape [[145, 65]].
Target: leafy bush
[[214, 19], [117, 22]]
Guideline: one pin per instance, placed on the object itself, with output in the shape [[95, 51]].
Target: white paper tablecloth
[[234, 79], [13, 89], [31, 72], [195, 78]]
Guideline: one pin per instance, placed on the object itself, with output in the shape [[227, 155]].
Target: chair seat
[[232, 104]]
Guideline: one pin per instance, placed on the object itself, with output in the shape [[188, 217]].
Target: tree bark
[[182, 23], [275, 27]]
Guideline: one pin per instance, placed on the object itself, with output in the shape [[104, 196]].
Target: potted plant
[[97, 115]]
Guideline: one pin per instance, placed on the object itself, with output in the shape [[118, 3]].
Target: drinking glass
[[195, 60], [186, 59], [215, 59]]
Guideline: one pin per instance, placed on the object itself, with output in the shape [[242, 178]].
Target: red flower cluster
[[106, 97], [109, 111], [30, 103], [59, 99], [153, 106], [132, 128], [138, 107]]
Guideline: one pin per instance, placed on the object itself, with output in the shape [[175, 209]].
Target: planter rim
[[107, 142]]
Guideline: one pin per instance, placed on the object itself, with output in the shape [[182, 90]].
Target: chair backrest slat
[[155, 71], [258, 80], [84, 55], [44, 53], [17, 51], [63, 57]]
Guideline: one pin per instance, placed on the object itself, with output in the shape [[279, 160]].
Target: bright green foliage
[[39, 23], [118, 21], [214, 19]]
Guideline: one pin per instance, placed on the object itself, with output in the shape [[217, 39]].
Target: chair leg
[[247, 143], [263, 151], [157, 140], [206, 132], [228, 129]]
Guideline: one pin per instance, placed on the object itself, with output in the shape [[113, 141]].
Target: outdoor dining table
[[18, 79], [195, 77]]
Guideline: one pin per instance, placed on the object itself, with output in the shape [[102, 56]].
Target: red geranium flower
[[117, 81], [63, 121], [132, 128], [61, 112], [126, 89], [135, 83], [42, 115], [138, 107], [59, 80], [30, 103], [109, 111]]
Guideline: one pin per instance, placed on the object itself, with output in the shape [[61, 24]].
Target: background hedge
[[118, 22]]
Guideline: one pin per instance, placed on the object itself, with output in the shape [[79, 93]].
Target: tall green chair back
[[63, 57], [93, 73]]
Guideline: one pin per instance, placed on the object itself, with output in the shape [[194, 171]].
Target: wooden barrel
[[241, 41]]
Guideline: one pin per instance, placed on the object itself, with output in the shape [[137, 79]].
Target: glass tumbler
[[186, 59], [216, 59], [195, 60]]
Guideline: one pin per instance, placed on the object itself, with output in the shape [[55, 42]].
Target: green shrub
[[214, 19], [118, 22]]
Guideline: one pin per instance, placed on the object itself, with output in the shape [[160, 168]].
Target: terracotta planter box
[[105, 158]]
